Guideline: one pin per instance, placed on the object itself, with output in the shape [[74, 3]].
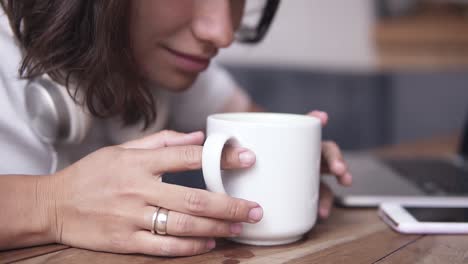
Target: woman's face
[[174, 40]]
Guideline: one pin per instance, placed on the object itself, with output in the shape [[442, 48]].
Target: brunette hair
[[84, 42]]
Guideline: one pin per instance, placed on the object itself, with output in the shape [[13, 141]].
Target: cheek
[[155, 22]]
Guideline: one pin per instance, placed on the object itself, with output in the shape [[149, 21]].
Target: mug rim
[[242, 118]]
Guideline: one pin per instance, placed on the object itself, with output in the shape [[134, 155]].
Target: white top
[[21, 151]]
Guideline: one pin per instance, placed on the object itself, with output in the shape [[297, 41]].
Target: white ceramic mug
[[284, 179]]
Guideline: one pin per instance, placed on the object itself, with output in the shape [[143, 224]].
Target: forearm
[[26, 204]]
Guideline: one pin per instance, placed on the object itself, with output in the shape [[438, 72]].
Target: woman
[[118, 59]]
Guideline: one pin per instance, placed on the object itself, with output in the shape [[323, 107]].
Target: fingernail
[[338, 166], [246, 158], [348, 178], [211, 244], [322, 113], [236, 228], [255, 214], [324, 212]]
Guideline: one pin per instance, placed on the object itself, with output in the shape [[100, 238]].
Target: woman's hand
[[333, 163], [106, 201]]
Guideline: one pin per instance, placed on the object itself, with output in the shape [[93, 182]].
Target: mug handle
[[211, 161]]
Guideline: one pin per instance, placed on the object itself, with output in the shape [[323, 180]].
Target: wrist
[[47, 197]]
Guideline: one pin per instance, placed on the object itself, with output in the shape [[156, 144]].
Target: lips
[[188, 62]]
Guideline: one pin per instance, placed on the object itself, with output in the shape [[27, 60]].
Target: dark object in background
[[257, 20], [464, 143], [407, 8]]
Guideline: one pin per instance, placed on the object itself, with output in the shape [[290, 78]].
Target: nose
[[213, 22]]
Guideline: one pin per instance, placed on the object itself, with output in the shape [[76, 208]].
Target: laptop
[[377, 180]]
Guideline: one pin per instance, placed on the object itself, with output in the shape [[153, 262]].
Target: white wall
[[314, 34]]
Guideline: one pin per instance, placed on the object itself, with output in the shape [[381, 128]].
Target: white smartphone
[[426, 218]]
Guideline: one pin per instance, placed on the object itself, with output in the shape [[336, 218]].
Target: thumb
[[165, 138]]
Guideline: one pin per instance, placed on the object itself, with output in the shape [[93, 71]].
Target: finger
[[236, 158], [164, 139], [333, 162], [323, 116], [168, 159], [179, 224], [145, 242], [332, 159], [202, 203], [183, 158], [325, 201], [195, 226]]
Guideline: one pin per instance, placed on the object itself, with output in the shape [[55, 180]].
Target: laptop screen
[[464, 141]]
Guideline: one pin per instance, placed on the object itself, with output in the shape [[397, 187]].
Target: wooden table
[[348, 236]]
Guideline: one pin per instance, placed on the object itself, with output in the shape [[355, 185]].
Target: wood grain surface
[[24, 253]]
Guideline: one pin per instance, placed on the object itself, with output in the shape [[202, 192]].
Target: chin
[[176, 82], [182, 85]]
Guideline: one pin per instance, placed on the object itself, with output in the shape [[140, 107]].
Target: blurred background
[[386, 71]]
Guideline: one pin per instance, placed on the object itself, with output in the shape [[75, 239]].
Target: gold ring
[[153, 220], [161, 221]]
